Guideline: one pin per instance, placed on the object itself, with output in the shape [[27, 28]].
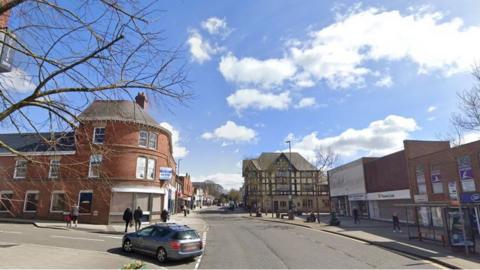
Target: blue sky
[[358, 77]]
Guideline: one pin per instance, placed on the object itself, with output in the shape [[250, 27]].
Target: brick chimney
[[141, 100], [4, 17]]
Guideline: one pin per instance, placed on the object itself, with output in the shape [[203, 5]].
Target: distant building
[[280, 182]]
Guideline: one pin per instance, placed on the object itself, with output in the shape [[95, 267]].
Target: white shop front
[[382, 205]]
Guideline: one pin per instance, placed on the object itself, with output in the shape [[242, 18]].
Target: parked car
[[164, 241]]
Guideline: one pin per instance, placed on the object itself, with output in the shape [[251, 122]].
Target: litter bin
[[290, 215]]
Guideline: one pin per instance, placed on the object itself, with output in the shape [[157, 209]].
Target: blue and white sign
[[166, 173], [470, 197]]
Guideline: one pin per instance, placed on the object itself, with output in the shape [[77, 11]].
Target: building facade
[[278, 182], [117, 157]]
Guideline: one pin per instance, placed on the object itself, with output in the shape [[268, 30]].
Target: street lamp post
[[290, 202]]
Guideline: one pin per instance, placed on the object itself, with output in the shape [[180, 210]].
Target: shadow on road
[[148, 258], [222, 210]]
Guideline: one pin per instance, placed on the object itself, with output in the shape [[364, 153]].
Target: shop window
[[98, 135], [283, 204], [466, 173], [436, 178], [54, 170], [420, 175], [6, 201], [152, 140], [85, 202], [151, 169], [121, 201], [141, 167], [143, 138], [20, 169], [94, 167], [58, 203], [31, 201], [424, 216], [437, 218]]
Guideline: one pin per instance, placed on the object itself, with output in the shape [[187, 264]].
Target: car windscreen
[[186, 235]]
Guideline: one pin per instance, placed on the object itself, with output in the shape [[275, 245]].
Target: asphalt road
[[238, 242]]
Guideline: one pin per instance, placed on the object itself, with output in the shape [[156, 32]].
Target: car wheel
[[161, 255], [127, 245]]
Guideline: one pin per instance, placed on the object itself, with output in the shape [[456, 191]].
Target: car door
[[142, 236], [156, 239]]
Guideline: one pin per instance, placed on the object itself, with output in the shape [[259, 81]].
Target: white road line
[[77, 238], [204, 240], [111, 236], [12, 232]]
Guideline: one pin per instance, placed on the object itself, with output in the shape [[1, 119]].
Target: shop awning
[[139, 189], [432, 204]]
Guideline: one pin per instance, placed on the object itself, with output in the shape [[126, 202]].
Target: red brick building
[[111, 161]]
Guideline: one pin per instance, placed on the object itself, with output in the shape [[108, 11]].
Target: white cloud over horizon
[[339, 53], [214, 25], [379, 138], [16, 81], [306, 102], [431, 109], [200, 49], [179, 151], [252, 98], [231, 132]]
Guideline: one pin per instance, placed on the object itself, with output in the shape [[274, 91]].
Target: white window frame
[[140, 136], [50, 169], [90, 175], [144, 169], [15, 176], [95, 132], [5, 192], [153, 169], [78, 201], [51, 201], [150, 136], [25, 201]]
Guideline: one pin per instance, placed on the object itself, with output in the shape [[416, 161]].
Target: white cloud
[[470, 137], [431, 118], [200, 48], [226, 180], [231, 132], [252, 98], [306, 102], [385, 82], [266, 73], [379, 138], [214, 25], [179, 151], [16, 81], [431, 109]]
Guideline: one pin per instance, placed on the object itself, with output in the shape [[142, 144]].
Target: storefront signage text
[[166, 173]]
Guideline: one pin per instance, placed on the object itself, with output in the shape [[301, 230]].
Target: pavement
[[380, 233], [50, 245]]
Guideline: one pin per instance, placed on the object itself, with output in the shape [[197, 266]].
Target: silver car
[[164, 241]]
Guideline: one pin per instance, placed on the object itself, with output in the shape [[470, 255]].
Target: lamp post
[[290, 203], [178, 166]]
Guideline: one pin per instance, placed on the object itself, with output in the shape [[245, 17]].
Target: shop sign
[[435, 176], [389, 195], [466, 173], [452, 190], [420, 198], [470, 197], [357, 197], [166, 173]]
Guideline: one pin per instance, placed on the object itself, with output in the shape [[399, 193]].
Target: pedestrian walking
[[396, 222], [127, 217], [75, 211], [356, 218], [137, 216], [164, 215]]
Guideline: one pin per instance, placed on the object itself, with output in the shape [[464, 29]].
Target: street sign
[[166, 173]]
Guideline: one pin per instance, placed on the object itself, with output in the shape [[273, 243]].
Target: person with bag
[[127, 217], [164, 215], [137, 216], [74, 213]]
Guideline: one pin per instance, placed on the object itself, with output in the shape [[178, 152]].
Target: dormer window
[[99, 135], [143, 138]]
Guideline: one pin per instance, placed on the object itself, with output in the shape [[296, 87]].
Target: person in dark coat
[[137, 216], [127, 217], [396, 223], [164, 215], [356, 218]]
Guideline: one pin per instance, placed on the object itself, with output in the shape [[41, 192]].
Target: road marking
[[12, 232], [111, 236], [204, 240], [77, 238]]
